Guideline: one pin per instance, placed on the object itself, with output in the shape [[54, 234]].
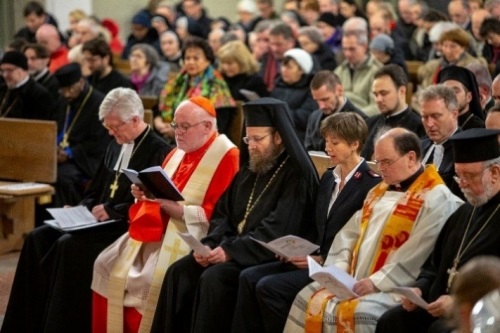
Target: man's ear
[[277, 138]]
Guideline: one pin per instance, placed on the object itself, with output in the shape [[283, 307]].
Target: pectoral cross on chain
[[113, 187], [452, 272], [64, 143]]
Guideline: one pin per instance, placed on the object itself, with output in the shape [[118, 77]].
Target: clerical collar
[[39, 75], [394, 114], [139, 137], [405, 184], [22, 83], [446, 140]]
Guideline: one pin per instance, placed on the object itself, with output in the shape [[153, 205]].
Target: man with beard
[[51, 286], [99, 61], [439, 111], [128, 274], [38, 60], [327, 91], [463, 82], [271, 196], [21, 96], [389, 89], [471, 231]]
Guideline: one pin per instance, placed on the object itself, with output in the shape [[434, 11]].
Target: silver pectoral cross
[[452, 273]]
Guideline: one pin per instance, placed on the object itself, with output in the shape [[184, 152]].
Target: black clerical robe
[[267, 311], [51, 84], [313, 139], [469, 120], [447, 167], [51, 290], [111, 81], [281, 209], [433, 279], [87, 140], [29, 101], [408, 119]]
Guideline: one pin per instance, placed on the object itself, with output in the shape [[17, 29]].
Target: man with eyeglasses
[[21, 96], [384, 244], [470, 232], [51, 292], [81, 138], [271, 196], [128, 274]]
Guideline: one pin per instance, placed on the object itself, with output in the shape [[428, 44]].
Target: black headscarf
[[275, 113], [467, 78]]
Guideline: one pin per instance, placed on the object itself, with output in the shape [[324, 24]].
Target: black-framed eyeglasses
[[183, 128]]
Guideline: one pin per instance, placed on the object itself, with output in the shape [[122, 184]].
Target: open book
[[289, 246], [194, 243], [154, 180], [332, 278], [411, 295], [73, 218]]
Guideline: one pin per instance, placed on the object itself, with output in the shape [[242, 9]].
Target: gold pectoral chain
[[114, 186], [453, 271], [66, 131], [251, 205]]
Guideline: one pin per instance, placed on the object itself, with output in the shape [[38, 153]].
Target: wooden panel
[[28, 150], [321, 161], [122, 66], [149, 101], [413, 67], [148, 117]]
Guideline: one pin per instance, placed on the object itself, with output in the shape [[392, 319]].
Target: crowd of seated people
[[404, 101]]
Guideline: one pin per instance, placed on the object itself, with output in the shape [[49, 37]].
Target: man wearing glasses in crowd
[[384, 244]]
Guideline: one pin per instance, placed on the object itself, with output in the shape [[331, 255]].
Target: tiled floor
[[8, 263]]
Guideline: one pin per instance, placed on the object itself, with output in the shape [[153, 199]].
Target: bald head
[[48, 36], [495, 89]]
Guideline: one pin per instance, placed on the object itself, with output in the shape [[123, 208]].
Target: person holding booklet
[[128, 274], [271, 196], [51, 286], [470, 232], [271, 287], [382, 245]]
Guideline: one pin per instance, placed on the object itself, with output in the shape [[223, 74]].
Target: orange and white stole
[[397, 229], [172, 248]]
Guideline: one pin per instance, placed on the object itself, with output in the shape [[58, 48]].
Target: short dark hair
[[281, 29], [40, 50], [395, 72], [98, 47], [33, 7], [347, 126], [434, 15], [404, 141], [199, 43], [325, 78], [489, 25]]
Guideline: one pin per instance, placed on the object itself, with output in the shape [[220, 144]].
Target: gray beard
[[479, 200]]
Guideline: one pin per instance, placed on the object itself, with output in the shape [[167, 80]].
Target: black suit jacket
[[313, 139], [447, 167], [348, 201]]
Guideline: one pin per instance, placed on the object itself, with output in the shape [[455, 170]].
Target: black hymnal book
[[155, 181]]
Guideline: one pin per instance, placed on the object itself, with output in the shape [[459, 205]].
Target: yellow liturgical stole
[[396, 232]]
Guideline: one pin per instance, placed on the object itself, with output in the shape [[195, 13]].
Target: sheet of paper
[[289, 246], [195, 244], [54, 224], [332, 278], [72, 216], [411, 295]]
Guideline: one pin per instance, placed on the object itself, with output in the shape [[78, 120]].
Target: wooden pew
[[149, 101], [28, 155], [413, 67], [236, 127], [148, 117], [122, 66], [321, 161]]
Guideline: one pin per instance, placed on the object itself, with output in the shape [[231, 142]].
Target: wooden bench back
[[28, 150], [149, 101], [148, 117]]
